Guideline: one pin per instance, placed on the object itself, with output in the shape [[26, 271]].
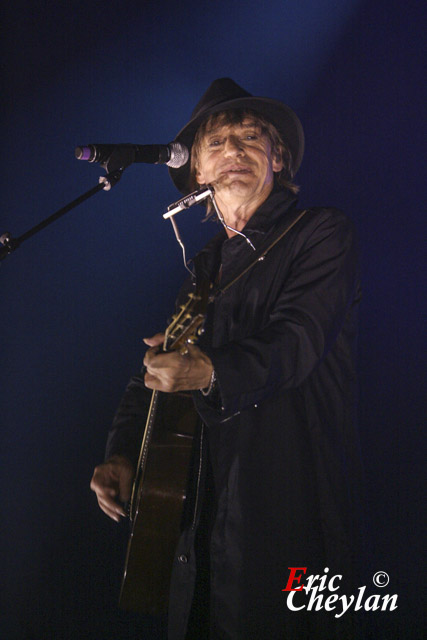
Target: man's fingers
[[108, 503], [168, 365], [171, 371], [155, 341], [104, 485], [112, 509], [110, 481], [152, 382]]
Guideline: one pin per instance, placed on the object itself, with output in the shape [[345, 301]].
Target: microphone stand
[[105, 182]]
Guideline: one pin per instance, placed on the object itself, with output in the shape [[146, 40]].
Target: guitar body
[[162, 476], [159, 500]]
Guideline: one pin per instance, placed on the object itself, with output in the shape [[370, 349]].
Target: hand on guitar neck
[[183, 370], [112, 483]]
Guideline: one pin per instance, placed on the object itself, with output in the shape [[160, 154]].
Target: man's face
[[238, 161]]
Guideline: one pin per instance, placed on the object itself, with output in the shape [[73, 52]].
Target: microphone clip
[[121, 158], [111, 179]]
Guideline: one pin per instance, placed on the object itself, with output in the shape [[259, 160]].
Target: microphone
[[174, 154]]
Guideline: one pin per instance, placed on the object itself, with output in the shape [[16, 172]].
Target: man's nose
[[233, 146]]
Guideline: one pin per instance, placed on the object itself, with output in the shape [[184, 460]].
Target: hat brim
[[279, 114]]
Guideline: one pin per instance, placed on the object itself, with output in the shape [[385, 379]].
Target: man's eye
[[214, 143], [251, 136]]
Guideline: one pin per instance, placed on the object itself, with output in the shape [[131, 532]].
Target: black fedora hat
[[224, 94]]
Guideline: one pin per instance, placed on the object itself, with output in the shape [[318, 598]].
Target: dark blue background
[[77, 299]]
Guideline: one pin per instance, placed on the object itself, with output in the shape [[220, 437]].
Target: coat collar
[[277, 204], [227, 251]]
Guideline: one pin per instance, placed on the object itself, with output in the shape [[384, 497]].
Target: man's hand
[[112, 481], [173, 371]]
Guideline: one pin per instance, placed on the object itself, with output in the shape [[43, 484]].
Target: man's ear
[[277, 162], [200, 177]]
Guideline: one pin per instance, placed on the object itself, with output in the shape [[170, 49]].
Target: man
[[273, 382]]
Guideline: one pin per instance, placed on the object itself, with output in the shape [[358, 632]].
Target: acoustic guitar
[[160, 485]]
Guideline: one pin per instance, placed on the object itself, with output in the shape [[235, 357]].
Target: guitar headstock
[[186, 325]]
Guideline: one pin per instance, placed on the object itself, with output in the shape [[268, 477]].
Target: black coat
[[280, 432]]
